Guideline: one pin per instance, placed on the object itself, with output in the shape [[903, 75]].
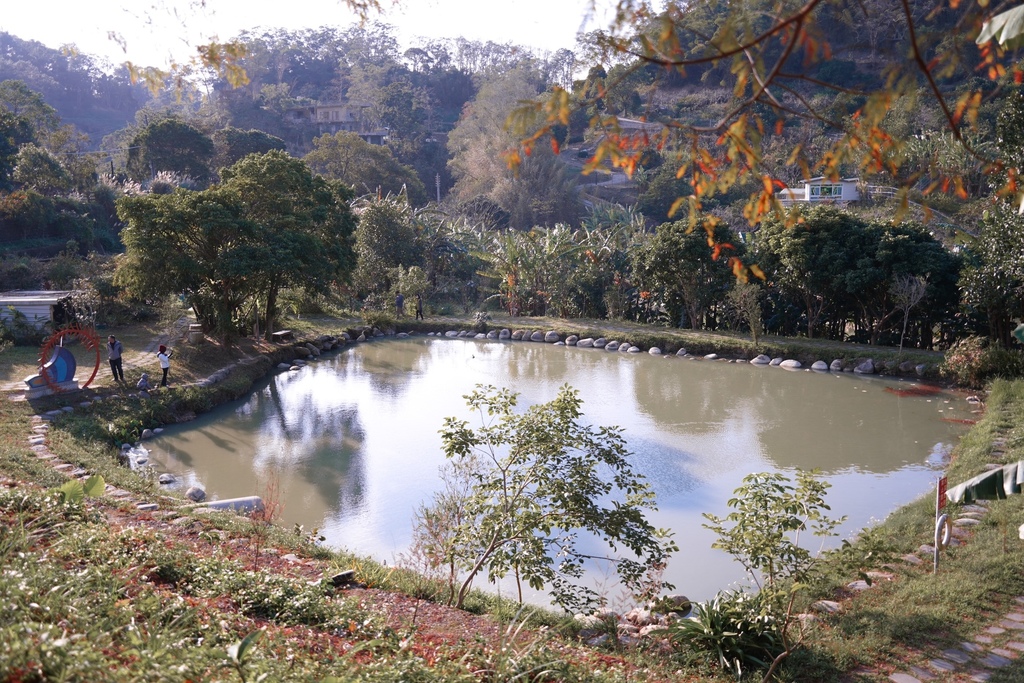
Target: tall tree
[[304, 222], [681, 273], [170, 145], [367, 168]]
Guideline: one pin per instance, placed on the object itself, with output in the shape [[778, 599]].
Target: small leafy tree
[[763, 534], [537, 480]]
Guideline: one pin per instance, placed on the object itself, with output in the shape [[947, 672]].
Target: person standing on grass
[[165, 362], [400, 305], [114, 351], [419, 306]]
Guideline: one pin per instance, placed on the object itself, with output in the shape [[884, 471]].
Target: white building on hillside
[[822, 189]]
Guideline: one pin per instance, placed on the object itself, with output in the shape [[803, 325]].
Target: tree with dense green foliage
[[231, 144], [196, 244], [384, 240], [229, 250], [681, 274], [304, 222], [368, 168], [534, 481], [807, 261], [170, 145]]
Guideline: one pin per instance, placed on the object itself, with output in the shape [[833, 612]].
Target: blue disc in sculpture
[[61, 366]]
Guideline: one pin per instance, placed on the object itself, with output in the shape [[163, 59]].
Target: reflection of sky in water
[[352, 441]]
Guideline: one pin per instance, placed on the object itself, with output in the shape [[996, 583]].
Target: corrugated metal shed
[[37, 306]]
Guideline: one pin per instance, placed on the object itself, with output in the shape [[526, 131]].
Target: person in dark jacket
[[114, 351]]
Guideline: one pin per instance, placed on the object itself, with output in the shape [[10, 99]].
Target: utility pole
[[437, 184]]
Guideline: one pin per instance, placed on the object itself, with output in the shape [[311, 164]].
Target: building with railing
[[336, 117], [822, 189]]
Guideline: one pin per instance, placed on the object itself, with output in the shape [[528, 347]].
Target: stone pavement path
[[995, 647]]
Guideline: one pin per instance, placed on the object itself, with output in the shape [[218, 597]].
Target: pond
[[352, 441]]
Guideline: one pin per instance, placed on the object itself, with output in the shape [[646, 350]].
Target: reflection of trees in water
[[386, 365], [312, 434], [694, 396], [796, 420]]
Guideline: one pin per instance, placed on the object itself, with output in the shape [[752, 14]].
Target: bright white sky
[[156, 30]]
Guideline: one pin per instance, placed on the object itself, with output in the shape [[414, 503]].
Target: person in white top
[[165, 362]]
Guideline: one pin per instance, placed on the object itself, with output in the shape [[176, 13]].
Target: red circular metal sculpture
[[90, 342]]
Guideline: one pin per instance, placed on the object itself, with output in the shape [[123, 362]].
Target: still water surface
[[352, 440]]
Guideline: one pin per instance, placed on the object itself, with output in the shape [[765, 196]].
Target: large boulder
[[906, 367], [633, 349], [493, 334], [505, 334], [550, 337], [600, 343], [587, 343], [571, 340], [313, 350], [517, 335], [537, 336], [654, 351], [790, 364], [775, 362], [836, 365], [681, 352], [196, 494], [611, 346], [865, 368], [820, 366], [711, 356], [624, 347], [306, 353], [761, 359]]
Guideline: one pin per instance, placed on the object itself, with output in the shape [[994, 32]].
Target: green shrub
[[972, 362], [733, 629], [379, 319]]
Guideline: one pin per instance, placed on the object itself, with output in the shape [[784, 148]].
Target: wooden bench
[[281, 336]]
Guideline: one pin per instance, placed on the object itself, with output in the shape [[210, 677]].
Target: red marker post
[[943, 528]]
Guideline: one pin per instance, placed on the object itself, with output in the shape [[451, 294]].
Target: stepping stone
[[985, 640], [995, 630], [966, 521], [858, 586], [958, 656], [1011, 624], [1015, 616], [922, 674], [974, 647], [147, 507], [903, 678], [994, 661], [1003, 652], [827, 606], [78, 472], [64, 466], [1014, 645], [980, 676], [880, 576], [926, 550], [941, 665], [1019, 600]]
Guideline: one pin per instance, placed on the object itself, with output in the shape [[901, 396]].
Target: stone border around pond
[[863, 366]]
